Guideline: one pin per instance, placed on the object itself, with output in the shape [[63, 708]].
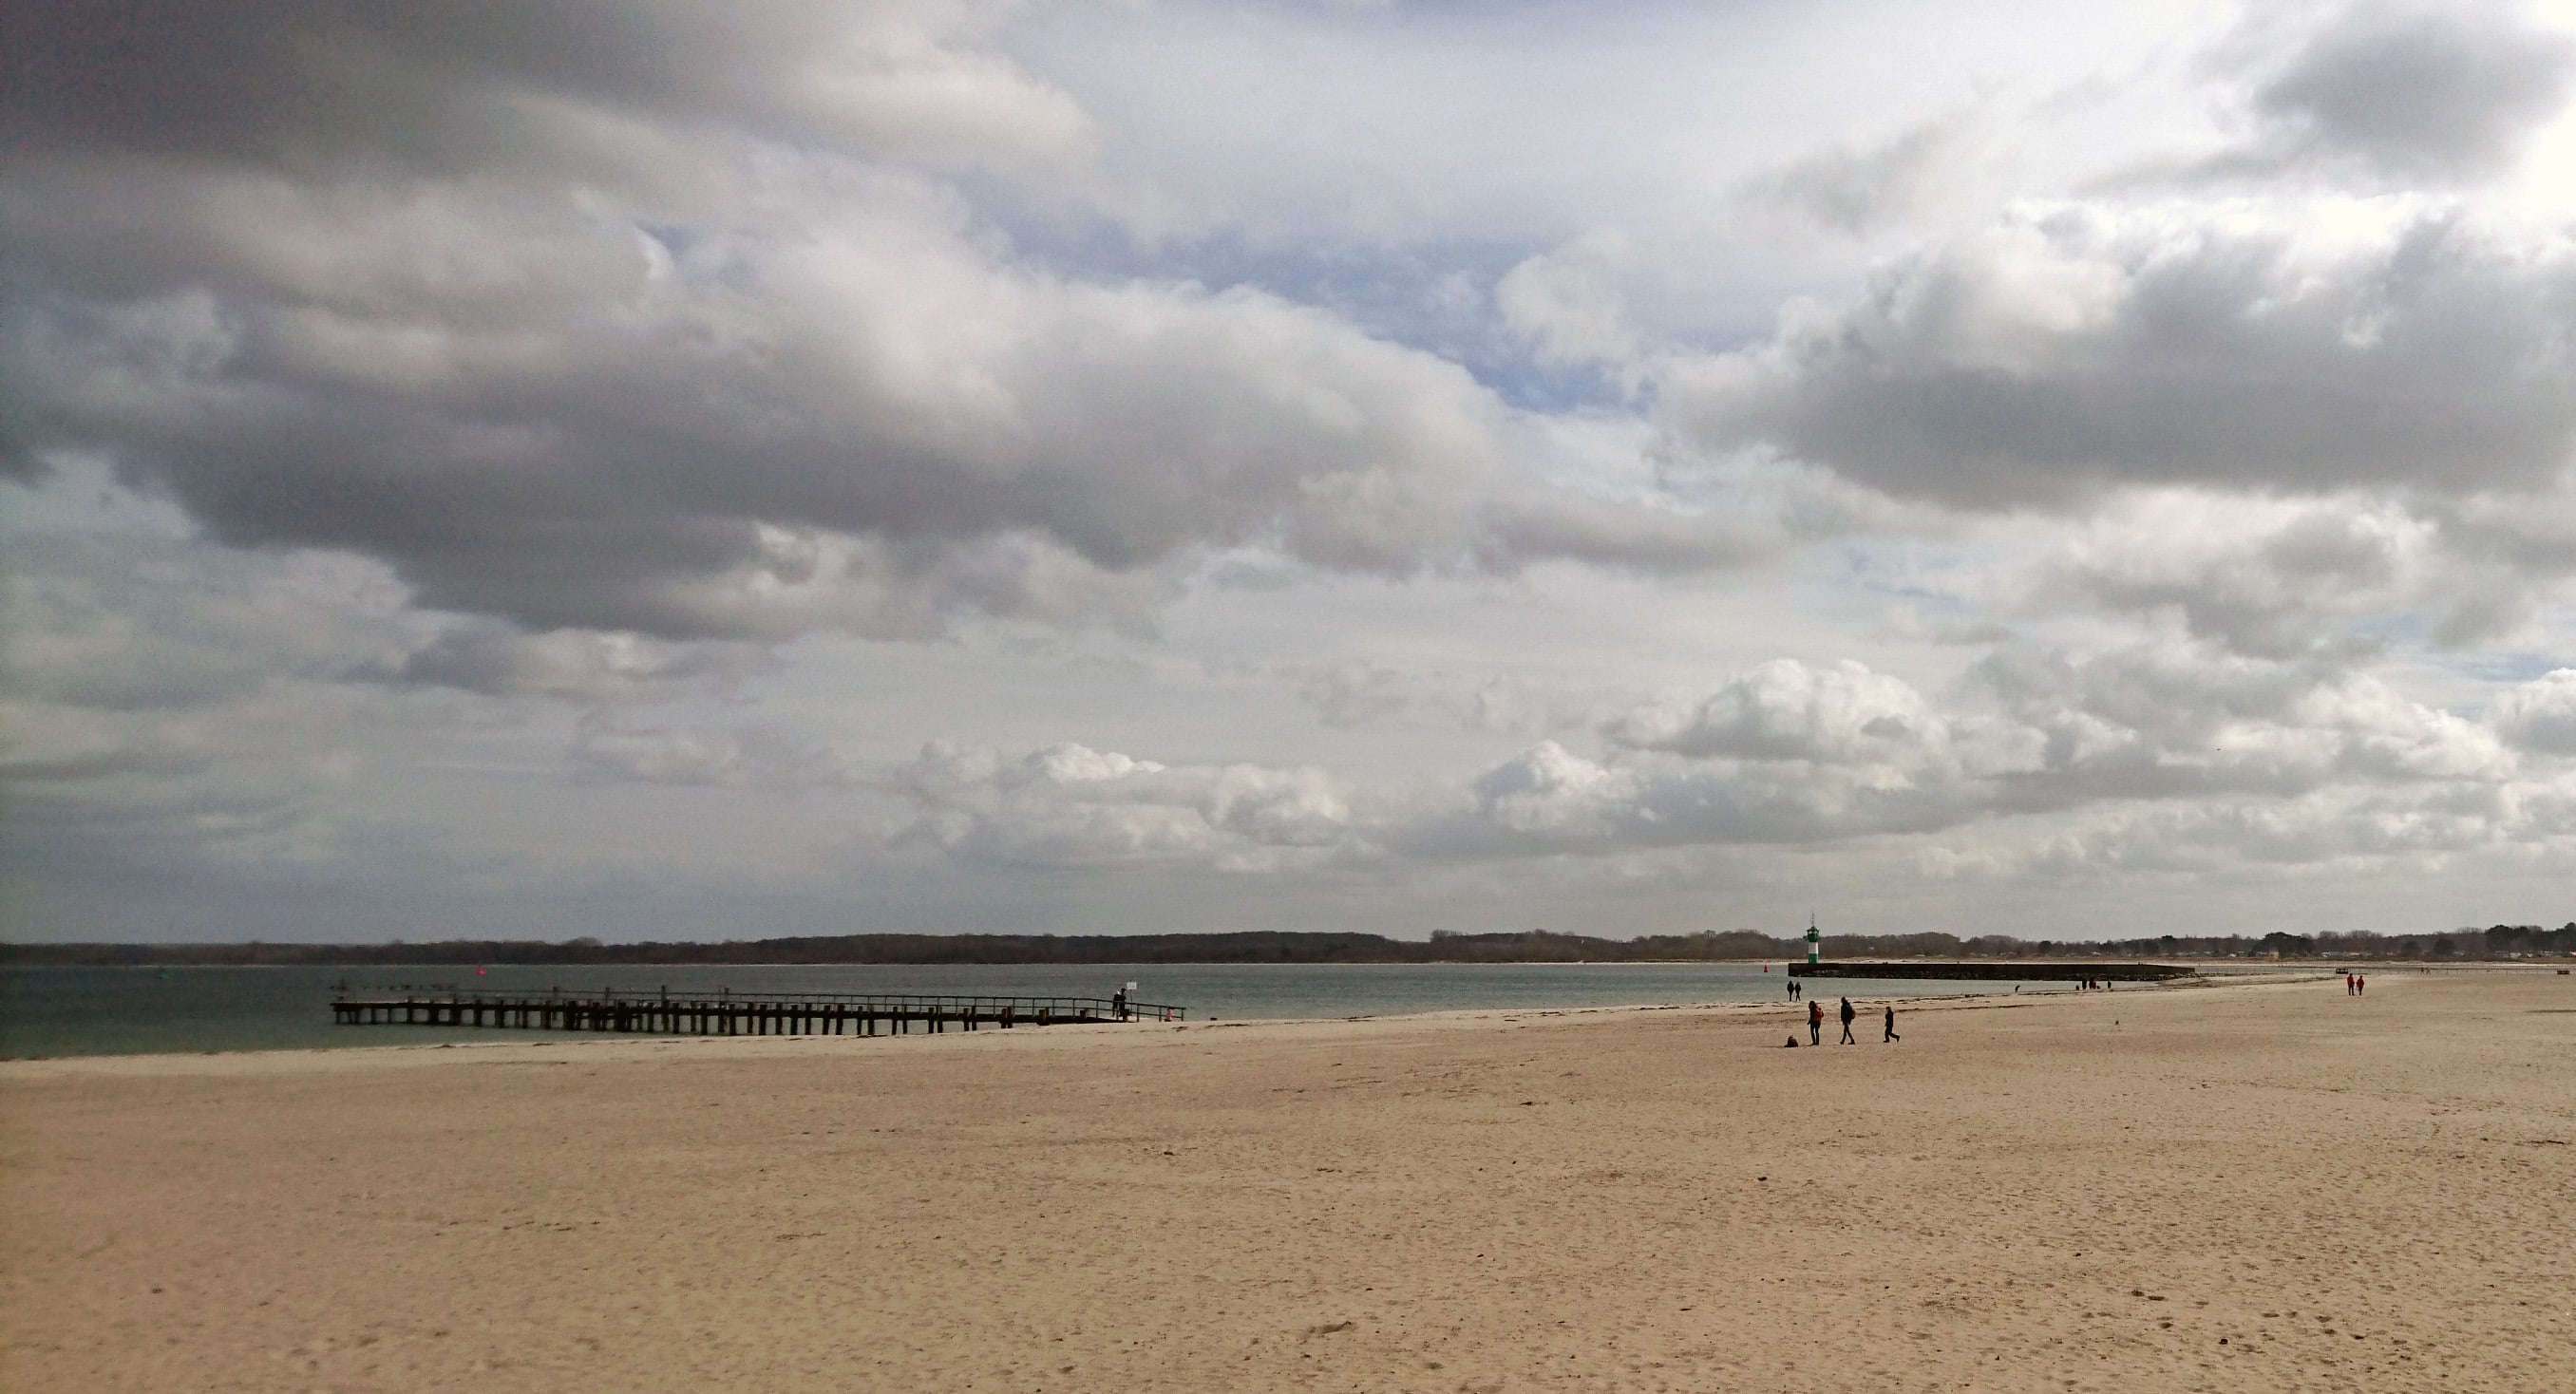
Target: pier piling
[[724, 1013]]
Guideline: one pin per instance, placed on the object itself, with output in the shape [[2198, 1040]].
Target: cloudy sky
[[647, 468]]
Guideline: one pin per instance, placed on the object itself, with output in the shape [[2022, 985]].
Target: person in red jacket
[[1815, 1022]]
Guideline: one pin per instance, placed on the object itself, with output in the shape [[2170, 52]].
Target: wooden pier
[[663, 1013]]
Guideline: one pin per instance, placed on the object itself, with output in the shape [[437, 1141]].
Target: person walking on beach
[[1815, 1023], [1891, 1023], [1848, 1014]]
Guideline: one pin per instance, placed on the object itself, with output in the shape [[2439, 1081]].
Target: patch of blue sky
[[1435, 298], [2412, 633], [2517, 667], [673, 237], [1903, 578], [2405, 629]]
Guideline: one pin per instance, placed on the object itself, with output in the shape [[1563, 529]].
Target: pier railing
[[724, 1012]]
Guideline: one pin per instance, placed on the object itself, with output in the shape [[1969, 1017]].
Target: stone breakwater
[[1995, 972]]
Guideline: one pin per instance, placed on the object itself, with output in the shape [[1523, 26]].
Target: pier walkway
[[663, 1013]]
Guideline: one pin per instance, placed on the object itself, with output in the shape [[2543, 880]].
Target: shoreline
[[171, 1061]]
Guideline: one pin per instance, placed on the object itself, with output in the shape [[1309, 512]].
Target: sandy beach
[[2232, 1188]]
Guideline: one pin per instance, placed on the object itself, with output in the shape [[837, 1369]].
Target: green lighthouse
[[1815, 943]]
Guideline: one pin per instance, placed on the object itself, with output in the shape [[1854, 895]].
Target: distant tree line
[[2497, 942], [1444, 946]]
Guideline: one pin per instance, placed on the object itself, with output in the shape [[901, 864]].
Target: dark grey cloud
[[126, 760], [497, 659], [2261, 579], [2073, 350], [857, 441], [469, 330], [1858, 190], [2442, 92], [119, 622], [446, 87]]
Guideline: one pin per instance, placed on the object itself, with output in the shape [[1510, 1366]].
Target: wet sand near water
[[2251, 1187]]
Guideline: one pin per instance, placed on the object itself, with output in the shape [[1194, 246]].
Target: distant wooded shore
[[1532, 946]]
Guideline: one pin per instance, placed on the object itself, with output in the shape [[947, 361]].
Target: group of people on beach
[[2354, 984], [2094, 985], [1816, 1021]]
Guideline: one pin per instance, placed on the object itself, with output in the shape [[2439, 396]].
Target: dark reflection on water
[[127, 1011]]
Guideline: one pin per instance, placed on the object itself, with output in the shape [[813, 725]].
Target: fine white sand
[[2240, 1188]]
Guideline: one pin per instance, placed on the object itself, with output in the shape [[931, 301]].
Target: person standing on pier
[[1848, 1014]]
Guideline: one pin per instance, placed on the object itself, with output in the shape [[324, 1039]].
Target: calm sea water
[[130, 1011]]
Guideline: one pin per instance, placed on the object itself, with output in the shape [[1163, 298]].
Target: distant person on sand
[[1118, 1003], [2360, 985], [1815, 1023], [1848, 1014], [1891, 1023], [2348, 989]]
